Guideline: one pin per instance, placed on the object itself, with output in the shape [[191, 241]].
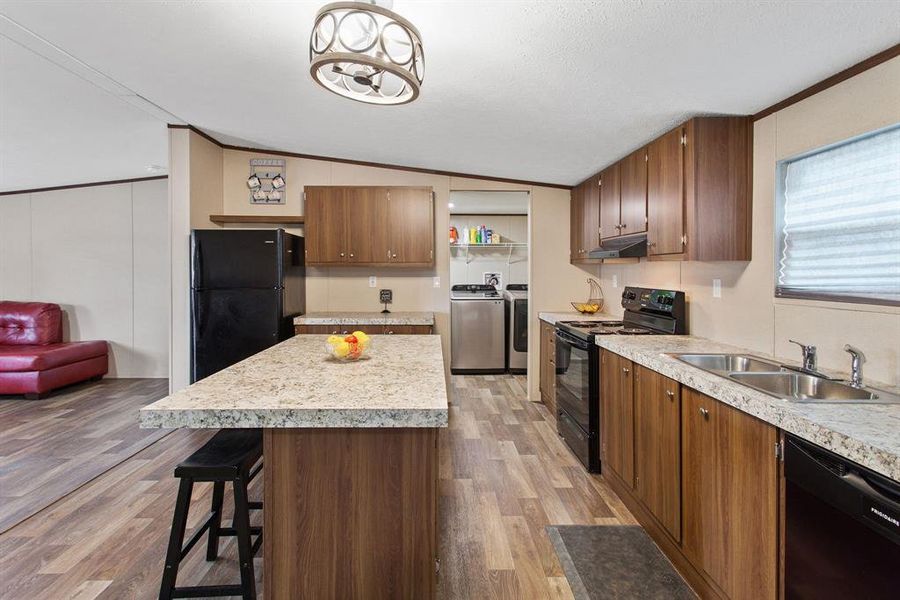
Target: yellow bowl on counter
[[348, 347]]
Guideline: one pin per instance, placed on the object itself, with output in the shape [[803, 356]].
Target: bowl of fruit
[[348, 347]]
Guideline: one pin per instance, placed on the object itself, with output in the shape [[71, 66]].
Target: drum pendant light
[[366, 52]]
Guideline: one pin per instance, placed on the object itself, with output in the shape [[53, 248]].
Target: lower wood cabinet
[[700, 476], [730, 480], [617, 416], [368, 329], [657, 447], [547, 375]]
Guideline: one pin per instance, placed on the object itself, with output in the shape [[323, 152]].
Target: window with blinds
[[838, 222]]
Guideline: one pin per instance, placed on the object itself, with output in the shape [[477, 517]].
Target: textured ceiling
[[545, 91]]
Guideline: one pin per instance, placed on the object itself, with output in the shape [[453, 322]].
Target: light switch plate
[[436, 282], [615, 281], [717, 288], [373, 281]]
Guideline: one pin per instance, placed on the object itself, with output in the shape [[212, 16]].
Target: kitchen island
[[350, 453]]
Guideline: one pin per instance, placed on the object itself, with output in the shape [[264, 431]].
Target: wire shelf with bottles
[[508, 247]]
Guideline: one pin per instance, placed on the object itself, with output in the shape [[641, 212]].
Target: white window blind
[[840, 222]]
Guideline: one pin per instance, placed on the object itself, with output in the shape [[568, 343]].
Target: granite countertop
[[365, 318], [295, 384], [868, 434], [553, 317]]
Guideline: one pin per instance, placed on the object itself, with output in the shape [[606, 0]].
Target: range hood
[[628, 246]]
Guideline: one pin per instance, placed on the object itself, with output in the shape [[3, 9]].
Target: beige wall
[[554, 282], [195, 192], [747, 314], [205, 180], [101, 253]]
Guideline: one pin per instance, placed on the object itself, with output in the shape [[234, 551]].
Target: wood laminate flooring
[[53, 446], [504, 476]]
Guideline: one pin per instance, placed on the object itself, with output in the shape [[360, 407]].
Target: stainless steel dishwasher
[[477, 329]]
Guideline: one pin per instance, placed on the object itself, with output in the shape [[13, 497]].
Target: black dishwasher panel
[[842, 527]]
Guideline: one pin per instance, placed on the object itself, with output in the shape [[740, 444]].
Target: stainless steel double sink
[[784, 382]]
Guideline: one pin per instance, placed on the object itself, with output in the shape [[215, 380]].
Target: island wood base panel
[[350, 513]]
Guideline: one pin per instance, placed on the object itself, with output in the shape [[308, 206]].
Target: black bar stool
[[229, 456]]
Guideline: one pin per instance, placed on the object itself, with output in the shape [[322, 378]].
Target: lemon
[[334, 339], [341, 349], [361, 336]]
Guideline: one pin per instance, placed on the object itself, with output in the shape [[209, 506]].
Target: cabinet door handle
[[704, 413], [391, 332], [670, 394], [625, 370], [622, 226], [393, 256], [342, 255]]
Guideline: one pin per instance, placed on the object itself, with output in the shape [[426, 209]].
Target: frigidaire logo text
[[886, 517]]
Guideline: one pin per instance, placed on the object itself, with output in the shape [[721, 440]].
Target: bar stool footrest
[[207, 591]]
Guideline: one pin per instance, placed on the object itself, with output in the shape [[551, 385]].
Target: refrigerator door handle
[[198, 314], [279, 254], [196, 265]]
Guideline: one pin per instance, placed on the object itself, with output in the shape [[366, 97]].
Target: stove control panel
[[647, 299]]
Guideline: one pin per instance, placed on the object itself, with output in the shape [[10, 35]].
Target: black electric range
[[647, 312]]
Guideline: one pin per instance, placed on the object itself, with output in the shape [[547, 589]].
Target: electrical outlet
[[615, 281], [436, 282], [717, 288], [373, 281]]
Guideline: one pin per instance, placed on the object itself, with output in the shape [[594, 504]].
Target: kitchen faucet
[[857, 358], [809, 356]]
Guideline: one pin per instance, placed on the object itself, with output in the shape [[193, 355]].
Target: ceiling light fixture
[[366, 52]]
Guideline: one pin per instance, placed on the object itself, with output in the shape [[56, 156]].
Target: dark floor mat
[[615, 561]]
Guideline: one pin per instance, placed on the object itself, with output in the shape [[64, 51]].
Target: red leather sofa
[[33, 358]]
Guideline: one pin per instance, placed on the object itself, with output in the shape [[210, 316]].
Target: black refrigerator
[[246, 287]]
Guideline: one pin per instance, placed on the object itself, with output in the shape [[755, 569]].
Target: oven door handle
[[572, 340]]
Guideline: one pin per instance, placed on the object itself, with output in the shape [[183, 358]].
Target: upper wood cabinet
[[591, 212], [376, 226], [633, 192], [584, 233], [367, 216], [657, 447], [730, 479], [617, 416], [610, 202], [665, 194], [689, 189], [576, 224], [411, 225], [324, 213], [623, 196], [699, 190]]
